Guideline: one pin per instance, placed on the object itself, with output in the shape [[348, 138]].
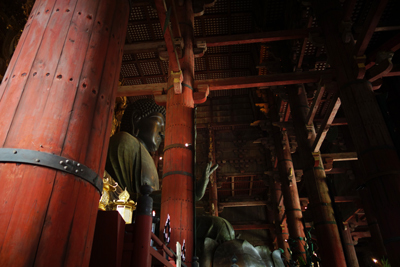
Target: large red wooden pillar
[[371, 138], [56, 99], [288, 184], [177, 183], [331, 251]]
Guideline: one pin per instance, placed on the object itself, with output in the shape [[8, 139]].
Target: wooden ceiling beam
[[394, 72], [369, 26], [144, 47], [387, 28], [232, 83], [337, 171], [264, 80], [259, 37], [217, 126], [235, 204], [142, 89], [338, 199], [250, 38], [342, 156], [335, 122]]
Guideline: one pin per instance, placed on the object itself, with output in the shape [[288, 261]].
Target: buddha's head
[[145, 120]]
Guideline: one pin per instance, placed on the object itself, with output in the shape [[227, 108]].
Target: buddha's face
[[151, 131]]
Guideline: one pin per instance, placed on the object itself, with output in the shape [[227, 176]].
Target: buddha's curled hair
[[138, 110]]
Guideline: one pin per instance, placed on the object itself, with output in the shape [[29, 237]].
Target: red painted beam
[[232, 83], [168, 36], [265, 80], [394, 72], [233, 204], [259, 37]]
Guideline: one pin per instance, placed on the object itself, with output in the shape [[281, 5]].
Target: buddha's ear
[[135, 118], [135, 131]]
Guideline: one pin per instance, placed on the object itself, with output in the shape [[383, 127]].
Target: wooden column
[[281, 229], [351, 254], [367, 127], [289, 186], [57, 96], [379, 247], [177, 183], [213, 192], [331, 251], [142, 230]]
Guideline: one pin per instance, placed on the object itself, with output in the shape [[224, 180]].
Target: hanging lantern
[[124, 206]]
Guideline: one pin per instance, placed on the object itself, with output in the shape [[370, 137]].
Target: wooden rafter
[[315, 104], [333, 107], [368, 29]]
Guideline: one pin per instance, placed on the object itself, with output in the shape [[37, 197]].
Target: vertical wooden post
[[371, 138], [329, 242], [213, 192], [289, 186], [281, 229], [57, 97], [379, 246], [143, 220], [351, 254], [177, 184]]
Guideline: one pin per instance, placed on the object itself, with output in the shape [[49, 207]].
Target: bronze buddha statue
[[130, 164], [142, 130], [129, 161]]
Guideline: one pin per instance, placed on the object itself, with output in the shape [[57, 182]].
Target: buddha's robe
[[130, 164]]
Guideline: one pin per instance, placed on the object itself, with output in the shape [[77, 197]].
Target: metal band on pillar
[[178, 146], [177, 172], [32, 157]]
